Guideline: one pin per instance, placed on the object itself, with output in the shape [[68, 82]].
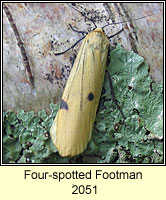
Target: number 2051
[[84, 189]]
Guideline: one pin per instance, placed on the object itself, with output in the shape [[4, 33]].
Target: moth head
[[100, 30]]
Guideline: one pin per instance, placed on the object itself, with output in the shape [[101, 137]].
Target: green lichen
[[139, 137]]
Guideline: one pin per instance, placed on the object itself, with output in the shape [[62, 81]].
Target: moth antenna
[[83, 14], [127, 20]]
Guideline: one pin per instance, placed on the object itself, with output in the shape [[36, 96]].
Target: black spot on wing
[[63, 105], [90, 96]]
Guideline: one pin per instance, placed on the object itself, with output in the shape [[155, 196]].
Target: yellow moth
[[72, 127]]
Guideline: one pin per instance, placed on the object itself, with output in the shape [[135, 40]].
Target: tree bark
[[33, 76]]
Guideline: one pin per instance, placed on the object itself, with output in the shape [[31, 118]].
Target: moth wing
[[75, 118]]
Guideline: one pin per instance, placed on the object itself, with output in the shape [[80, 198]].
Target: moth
[[72, 127]]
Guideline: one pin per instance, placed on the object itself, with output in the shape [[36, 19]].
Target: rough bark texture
[[33, 32]]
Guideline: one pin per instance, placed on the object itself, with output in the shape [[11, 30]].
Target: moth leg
[[83, 32], [113, 95], [116, 33], [57, 54]]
